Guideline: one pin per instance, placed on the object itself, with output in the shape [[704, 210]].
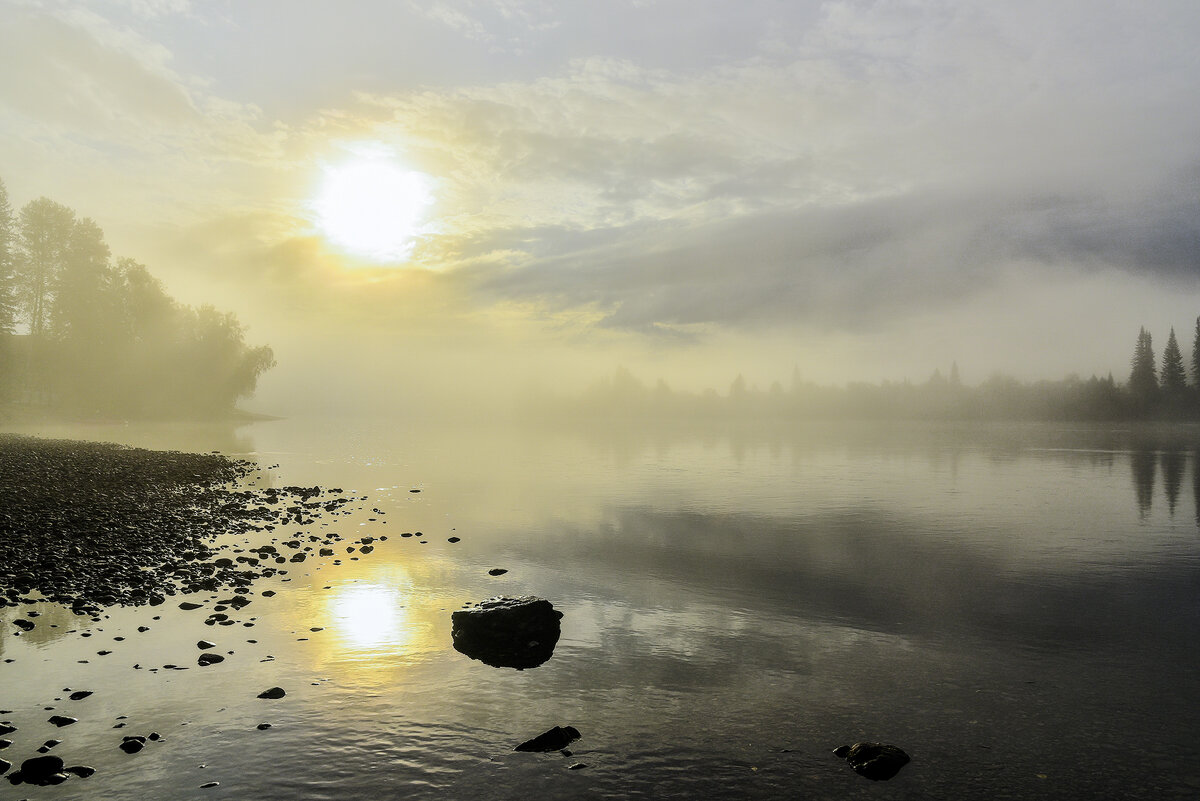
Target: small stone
[[452, 539], [875, 761], [204, 644], [576, 766], [79, 695], [206, 785], [497, 571], [188, 606], [82, 771], [62, 720], [263, 726], [207, 659], [5, 744], [132, 746], [274, 692]]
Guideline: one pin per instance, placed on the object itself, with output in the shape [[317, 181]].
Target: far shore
[[19, 414]]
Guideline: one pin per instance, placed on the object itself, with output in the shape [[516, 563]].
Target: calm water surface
[[1018, 607]]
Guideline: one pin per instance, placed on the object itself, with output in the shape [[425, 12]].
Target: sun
[[371, 206]]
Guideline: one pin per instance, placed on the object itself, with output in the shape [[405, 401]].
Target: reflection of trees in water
[[1196, 483], [1144, 464], [1172, 467]]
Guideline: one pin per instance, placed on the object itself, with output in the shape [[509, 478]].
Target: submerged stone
[[274, 692], [875, 761], [507, 632], [555, 739]]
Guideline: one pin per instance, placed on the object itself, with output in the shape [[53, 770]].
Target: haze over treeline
[[88, 335], [84, 334], [1152, 392]]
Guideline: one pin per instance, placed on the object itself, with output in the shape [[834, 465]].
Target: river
[[1016, 606]]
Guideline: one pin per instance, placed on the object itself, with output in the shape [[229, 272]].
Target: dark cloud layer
[[875, 260]]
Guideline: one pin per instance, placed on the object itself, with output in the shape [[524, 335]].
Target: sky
[[864, 190]]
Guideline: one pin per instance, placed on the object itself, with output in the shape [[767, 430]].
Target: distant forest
[[1153, 392], [84, 335]]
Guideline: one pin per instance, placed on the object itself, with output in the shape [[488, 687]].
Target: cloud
[[671, 167]]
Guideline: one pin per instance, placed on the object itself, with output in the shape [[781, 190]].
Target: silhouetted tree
[[80, 310], [1174, 379], [8, 277], [1196, 356], [45, 231], [1143, 380]]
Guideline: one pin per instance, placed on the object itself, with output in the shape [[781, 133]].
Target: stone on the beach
[[876, 761], [553, 740], [4, 766], [274, 692], [6, 728], [42, 770], [79, 695], [207, 659], [23, 624], [62, 720], [187, 606], [132, 746], [263, 726], [82, 771], [205, 644], [507, 632], [497, 571]]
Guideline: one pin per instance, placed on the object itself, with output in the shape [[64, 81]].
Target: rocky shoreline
[[91, 525]]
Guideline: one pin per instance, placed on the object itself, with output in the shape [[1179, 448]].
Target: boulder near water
[[507, 632]]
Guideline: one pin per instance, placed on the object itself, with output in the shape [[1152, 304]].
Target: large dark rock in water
[[507, 632], [876, 761], [41, 770], [556, 739]]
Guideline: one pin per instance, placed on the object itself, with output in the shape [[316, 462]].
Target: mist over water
[[1011, 604]]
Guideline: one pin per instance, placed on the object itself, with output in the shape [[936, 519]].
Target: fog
[[844, 192]]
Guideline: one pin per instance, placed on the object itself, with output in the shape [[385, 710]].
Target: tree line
[[88, 335], [1155, 391]]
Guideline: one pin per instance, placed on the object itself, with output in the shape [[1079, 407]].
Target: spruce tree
[[1174, 379], [1143, 379], [1196, 356]]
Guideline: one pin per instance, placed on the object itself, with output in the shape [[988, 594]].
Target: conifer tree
[[1143, 379], [1196, 356], [1174, 379]]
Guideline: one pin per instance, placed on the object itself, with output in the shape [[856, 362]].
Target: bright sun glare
[[372, 207]]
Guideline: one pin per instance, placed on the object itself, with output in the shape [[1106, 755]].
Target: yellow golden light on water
[[368, 617], [371, 205]]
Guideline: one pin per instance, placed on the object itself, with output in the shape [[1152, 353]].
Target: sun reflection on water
[[368, 616]]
